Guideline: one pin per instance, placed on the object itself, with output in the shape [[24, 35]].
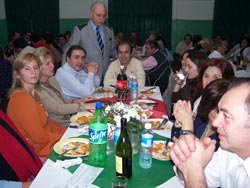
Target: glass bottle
[[123, 157]]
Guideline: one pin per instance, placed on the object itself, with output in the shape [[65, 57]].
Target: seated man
[[156, 65], [132, 66], [230, 165], [74, 81]]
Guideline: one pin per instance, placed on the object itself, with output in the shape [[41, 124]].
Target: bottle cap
[[98, 104], [122, 67], [148, 126]]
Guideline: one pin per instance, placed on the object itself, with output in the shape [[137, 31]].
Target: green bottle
[[98, 131], [123, 157]]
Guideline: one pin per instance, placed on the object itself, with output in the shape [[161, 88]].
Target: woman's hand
[[88, 98]]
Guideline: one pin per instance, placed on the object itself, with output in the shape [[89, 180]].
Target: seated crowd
[[198, 84]]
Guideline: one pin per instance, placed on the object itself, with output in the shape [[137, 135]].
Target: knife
[[164, 121]]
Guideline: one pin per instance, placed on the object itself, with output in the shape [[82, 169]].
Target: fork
[[165, 152], [66, 151]]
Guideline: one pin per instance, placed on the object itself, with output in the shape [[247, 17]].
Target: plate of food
[[144, 103], [157, 121], [81, 118], [148, 91], [80, 145], [160, 151]]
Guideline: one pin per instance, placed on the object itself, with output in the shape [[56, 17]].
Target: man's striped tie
[[99, 39]]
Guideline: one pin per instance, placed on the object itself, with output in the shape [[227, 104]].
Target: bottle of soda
[[146, 147], [134, 89], [98, 131], [121, 85], [123, 157]]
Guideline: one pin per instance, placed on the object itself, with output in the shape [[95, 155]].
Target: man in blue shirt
[[74, 81]]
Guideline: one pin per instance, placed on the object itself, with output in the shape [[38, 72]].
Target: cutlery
[[164, 121], [165, 152], [66, 151], [152, 103]]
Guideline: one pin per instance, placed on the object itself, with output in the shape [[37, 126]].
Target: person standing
[[96, 38]]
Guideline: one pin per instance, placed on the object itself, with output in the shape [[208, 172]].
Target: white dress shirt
[[228, 170]]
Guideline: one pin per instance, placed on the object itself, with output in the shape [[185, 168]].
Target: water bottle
[[98, 131], [121, 85], [130, 81], [134, 89], [146, 147], [123, 156]]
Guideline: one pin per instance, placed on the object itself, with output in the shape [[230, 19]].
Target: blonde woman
[[59, 108], [26, 108]]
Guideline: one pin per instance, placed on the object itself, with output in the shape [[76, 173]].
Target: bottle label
[[147, 140], [118, 164], [98, 136], [134, 85], [122, 84]]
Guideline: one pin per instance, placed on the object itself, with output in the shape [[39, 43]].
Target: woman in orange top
[[26, 109]]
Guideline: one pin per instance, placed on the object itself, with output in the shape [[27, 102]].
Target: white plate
[[74, 118], [142, 101], [60, 146], [158, 147]]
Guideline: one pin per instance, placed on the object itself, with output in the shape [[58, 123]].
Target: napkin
[[68, 163], [159, 110]]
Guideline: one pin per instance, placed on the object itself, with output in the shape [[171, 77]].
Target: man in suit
[[97, 50]]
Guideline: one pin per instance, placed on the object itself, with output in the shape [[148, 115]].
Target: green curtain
[[31, 15], [141, 16], [231, 19]]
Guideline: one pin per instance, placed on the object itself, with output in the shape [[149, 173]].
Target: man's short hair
[[125, 41], [74, 47], [152, 43], [98, 3]]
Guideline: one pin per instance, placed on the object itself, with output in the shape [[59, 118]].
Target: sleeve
[[140, 74], [54, 105], [10, 184], [97, 80], [34, 127], [73, 87], [149, 63], [110, 77]]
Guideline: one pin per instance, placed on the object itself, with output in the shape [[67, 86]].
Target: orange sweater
[[32, 121]]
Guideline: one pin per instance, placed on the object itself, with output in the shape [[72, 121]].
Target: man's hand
[[182, 148], [92, 67]]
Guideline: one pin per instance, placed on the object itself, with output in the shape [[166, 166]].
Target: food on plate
[[147, 91], [85, 119], [155, 124], [147, 113], [160, 152], [101, 90], [82, 148]]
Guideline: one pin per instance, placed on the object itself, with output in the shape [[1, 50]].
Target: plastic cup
[[119, 182]]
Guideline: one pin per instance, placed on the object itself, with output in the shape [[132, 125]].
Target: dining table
[[82, 175]]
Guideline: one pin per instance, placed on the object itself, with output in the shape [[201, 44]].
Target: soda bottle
[[134, 89], [121, 85], [98, 130], [123, 157], [146, 147]]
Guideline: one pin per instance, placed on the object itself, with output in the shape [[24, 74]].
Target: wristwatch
[[184, 132]]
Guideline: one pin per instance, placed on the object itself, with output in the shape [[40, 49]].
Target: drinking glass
[[119, 182]]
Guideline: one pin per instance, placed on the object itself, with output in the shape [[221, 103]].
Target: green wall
[[3, 32], [181, 27], [69, 24]]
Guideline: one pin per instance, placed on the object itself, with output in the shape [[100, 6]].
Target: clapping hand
[[92, 67]]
